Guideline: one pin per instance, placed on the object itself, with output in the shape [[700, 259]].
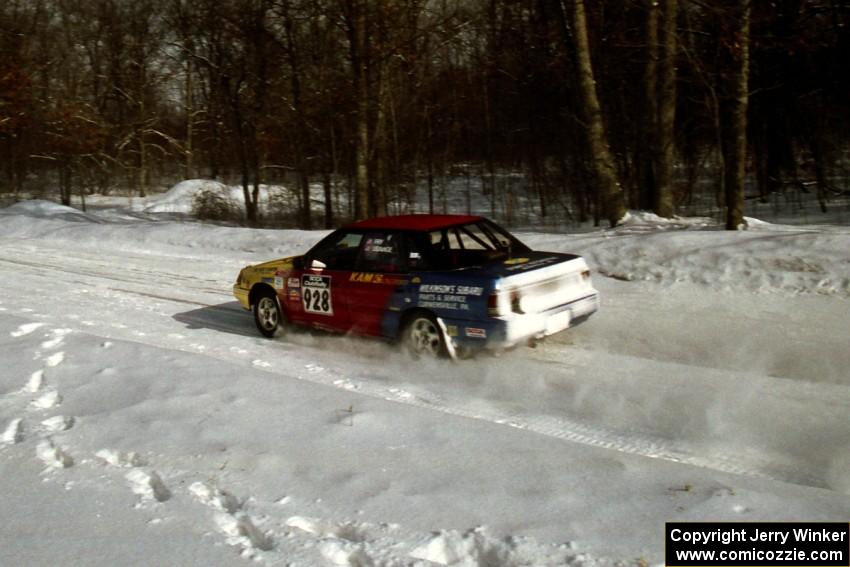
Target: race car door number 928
[[316, 294]]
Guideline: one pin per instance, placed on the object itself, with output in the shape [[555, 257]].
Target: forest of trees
[[602, 106]]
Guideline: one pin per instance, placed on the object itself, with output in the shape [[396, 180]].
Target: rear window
[[469, 245]]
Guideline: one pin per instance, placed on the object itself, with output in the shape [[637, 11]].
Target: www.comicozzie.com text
[[727, 536]]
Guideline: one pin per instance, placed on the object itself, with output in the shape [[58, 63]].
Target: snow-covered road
[[677, 401]]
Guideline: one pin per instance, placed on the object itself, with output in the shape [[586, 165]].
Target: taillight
[[493, 304], [516, 302], [500, 303], [497, 304]]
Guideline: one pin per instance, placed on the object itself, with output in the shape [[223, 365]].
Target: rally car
[[442, 285]]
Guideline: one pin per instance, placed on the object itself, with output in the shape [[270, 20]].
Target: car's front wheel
[[423, 337], [267, 314]]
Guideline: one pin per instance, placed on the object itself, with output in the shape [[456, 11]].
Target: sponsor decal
[[365, 277], [530, 265], [293, 282], [514, 261], [278, 282], [416, 279], [294, 295], [453, 289], [316, 295], [368, 277], [268, 281], [451, 330], [447, 296], [378, 246], [475, 332]]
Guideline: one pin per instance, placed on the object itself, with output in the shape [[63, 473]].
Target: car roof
[[414, 222]]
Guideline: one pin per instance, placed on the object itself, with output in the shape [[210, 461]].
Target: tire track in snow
[[103, 269], [566, 429]]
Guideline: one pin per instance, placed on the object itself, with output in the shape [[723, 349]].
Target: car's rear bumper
[[516, 329]]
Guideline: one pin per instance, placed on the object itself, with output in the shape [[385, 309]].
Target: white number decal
[[316, 294]]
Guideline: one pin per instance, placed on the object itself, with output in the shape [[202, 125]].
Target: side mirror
[[318, 265]]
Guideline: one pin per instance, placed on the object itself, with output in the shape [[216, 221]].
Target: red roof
[[414, 222]]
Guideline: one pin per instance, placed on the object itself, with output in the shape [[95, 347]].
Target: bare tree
[[665, 139], [734, 110], [355, 20], [602, 162], [292, 50]]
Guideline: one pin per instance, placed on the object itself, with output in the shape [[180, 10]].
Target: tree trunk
[[143, 164], [602, 162], [380, 149], [189, 171], [819, 157], [430, 184], [244, 164], [735, 116], [329, 181], [357, 46], [82, 197], [327, 185], [649, 120], [65, 183], [664, 206], [300, 129]]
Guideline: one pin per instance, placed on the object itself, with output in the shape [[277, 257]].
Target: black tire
[[267, 314], [422, 337]]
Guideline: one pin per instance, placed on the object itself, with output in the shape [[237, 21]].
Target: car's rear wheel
[[267, 314], [423, 337]]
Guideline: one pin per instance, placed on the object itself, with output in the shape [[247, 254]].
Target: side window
[[440, 239], [382, 252], [339, 252], [417, 254]]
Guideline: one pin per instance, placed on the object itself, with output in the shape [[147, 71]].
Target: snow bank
[[766, 258], [49, 210], [147, 234], [181, 197]]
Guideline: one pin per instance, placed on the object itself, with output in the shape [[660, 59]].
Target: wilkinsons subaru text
[[442, 285]]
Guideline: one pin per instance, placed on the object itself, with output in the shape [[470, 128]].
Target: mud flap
[[447, 340]]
